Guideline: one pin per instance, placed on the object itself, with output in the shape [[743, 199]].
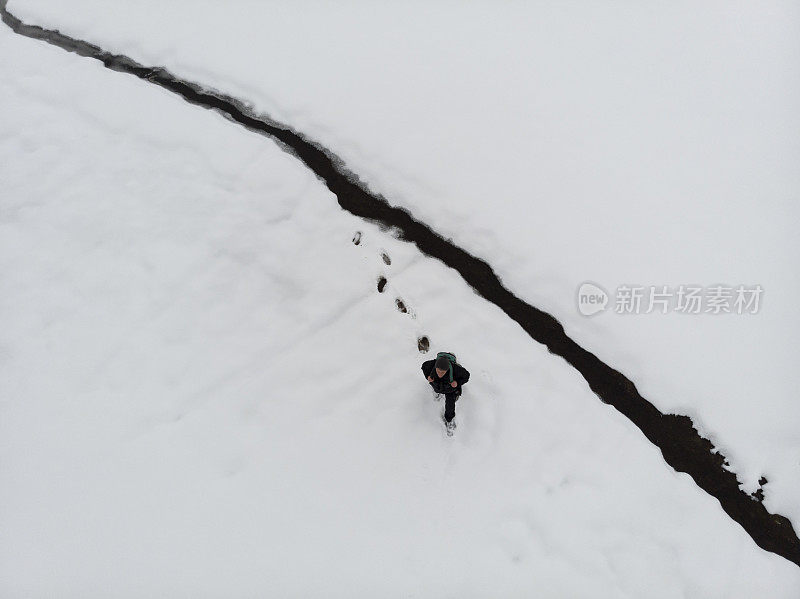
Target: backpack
[[451, 358]]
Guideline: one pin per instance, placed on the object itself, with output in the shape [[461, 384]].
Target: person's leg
[[450, 406]]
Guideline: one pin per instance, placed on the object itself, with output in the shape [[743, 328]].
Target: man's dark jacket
[[442, 385]]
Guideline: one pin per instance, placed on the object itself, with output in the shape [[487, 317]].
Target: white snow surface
[[621, 143], [203, 393]]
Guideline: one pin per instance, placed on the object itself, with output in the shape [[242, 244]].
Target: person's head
[[442, 366]]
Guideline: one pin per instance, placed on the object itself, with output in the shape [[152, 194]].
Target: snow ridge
[[681, 445]]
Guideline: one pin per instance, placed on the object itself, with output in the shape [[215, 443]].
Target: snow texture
[[204, 393]]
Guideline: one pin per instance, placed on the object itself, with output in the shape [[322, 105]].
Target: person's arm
[[460, 375], [427, 368]]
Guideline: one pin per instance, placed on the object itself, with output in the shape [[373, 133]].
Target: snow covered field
[[205, 395], [622, 144]]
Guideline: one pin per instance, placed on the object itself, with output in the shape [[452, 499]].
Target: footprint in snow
[[423, 344], [401, 305]]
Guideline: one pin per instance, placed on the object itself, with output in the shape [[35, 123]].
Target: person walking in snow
[[446, 376]]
